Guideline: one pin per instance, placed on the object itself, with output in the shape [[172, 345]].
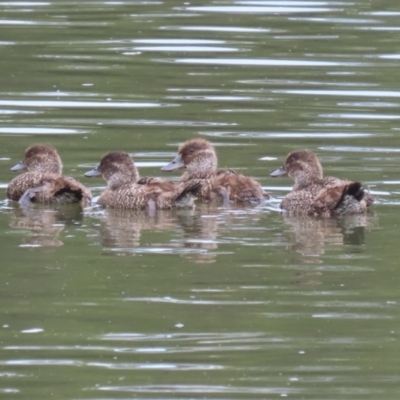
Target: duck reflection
[[200, 232], [184, 232], [311, 236], [121, 230], [232, 226], [44, 225]]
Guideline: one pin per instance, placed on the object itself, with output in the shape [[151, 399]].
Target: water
[[215, 303]]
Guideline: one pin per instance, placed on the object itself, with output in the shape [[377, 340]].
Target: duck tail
[[352, 190], [356, 190]]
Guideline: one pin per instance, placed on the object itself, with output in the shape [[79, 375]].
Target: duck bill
[[279, 172], [18, 167], [176, 163], [93, 172]]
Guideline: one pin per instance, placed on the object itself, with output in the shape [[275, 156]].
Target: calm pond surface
[[214, 303]]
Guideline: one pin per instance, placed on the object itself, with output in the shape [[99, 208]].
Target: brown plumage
[[127, 191], [313, 194], [43, 183], [199, 159]]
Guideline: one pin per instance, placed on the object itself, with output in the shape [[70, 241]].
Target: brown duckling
[[199, 159], [315, 195], [43, 183], [126, 191]]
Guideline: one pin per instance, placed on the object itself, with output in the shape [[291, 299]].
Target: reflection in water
[[122, 232], [197, 234], [311, 236], [44, 224], [192, 234], [200, 232]]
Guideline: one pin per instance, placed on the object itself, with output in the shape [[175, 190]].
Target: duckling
[[199, 159], [314, 195], [43, 183], [127, 191]]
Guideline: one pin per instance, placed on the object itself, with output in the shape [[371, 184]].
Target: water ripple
[[369, 104], [361, 116], [172, 300], [264, 62], [339, 93], [43, 362], [293, 135], [179, 41], [361, 149], [217, 29], [81, 104], [187, 49], [39, 131], [182, 336], [260, 9], [352, 316], [158, 366], [200, 389], [116, 366], [162, 250], [334, 20], [24, 3], [141, 122]]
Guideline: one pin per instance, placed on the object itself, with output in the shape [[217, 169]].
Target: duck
[[126, 190], [314, 195], [199, 158], [43, 182]]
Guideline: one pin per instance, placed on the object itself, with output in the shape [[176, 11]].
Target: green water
[[214, 303]]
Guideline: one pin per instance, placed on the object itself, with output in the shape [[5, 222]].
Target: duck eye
[[191, 150]]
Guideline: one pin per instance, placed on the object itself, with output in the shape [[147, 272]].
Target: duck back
[[313, 194], [21, 183], [205, 182], [141, 196], [43, 183], [241, 188], [48, 189], [330, 197]]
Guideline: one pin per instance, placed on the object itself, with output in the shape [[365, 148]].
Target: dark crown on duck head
[[303, 162], [196, 155], [193, 145], [118, 168], [199, 155], [302, 165], [41, 158]]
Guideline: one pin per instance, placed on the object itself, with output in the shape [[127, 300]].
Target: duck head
[[117, 168], [302, 166], [196, 155], [41, 158]]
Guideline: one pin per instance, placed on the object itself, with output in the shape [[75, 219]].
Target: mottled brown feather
[[206, 182], [241, 189], [126, 191], [314, 195], [44, 172], [200, 160]]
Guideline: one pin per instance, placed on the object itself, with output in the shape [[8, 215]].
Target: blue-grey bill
[[176, 163], [18, 167], [279, 172], [93, 172]]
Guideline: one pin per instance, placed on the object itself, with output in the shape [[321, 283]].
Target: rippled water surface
[[214, 303]]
